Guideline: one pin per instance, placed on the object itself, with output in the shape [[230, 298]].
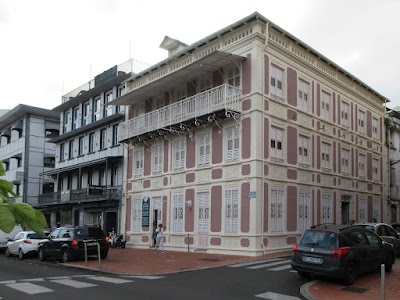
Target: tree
[[17, 213]]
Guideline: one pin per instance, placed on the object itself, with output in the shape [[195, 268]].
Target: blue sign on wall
[[146, 211]]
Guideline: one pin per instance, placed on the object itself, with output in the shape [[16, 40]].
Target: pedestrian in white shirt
[[159, 238]]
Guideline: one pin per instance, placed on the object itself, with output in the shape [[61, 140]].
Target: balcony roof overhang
[[198, 69]]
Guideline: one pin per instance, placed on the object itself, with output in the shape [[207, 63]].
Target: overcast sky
[[50, 47]]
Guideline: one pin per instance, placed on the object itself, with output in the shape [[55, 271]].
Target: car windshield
[[36, 236], [89, 232], [323, 239]]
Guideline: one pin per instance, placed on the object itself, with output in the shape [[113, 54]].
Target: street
[[31, 278]]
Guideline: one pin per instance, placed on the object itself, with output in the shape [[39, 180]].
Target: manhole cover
[[354, 289], [209, 259]]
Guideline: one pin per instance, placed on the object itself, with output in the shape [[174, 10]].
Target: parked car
[[24, 243], [341, 251], [68, 243], [4, 237], [386, 232]]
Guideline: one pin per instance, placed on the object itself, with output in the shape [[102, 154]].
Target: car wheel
[[303, 274], [21, 254], [351, 273], [41, 255], [104, 254], [389, 263], [65, 256], [8, 254]]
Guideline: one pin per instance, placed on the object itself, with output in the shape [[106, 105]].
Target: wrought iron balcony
[[208, 106], [80, 195]]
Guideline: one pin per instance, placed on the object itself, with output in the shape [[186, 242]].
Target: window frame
[[158, 158], [178, 213], [232, 143], [138, 155], [326, 154], [92, 142], [277, 79], [303, 150], [231, 211], [179, 147], [277, 208], [326, 104], [203, 149], [276, 143], [103, 139], [303, 91]]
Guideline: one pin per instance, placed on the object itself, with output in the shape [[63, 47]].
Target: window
[[204, 84], [375, 132], [158, 154], [103, 139], [361, 121], [157, 206], [90, 177], [326, 156], [120, 92], [325, 105], [232, 136], [137, 215], [276, 81], [138, 157], [326, 208], [231, 211], [375, 170], [71, 149], [179, 150], [277, 210], [345, 114], [304, 88], [158, 102], [180, 94], [97, 108], [115, 135], [6, 165], [376, 211], [276, 143], [62, 149], [108, 96], [177, 213], [86, 113], [102, 176], [67, 121], [345, 162], [114, 175], [49, 162], [204, 149], [304, 211], [361, 165], [304, 146], [76, 117], [19, 162], [363, 210], [81, 145], [91, 142], [234, 77]]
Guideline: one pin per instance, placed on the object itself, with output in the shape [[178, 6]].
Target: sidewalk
[[147, 262]]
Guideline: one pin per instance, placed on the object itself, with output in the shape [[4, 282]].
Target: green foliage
[[17, 213]]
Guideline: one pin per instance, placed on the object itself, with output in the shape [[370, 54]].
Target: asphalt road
[[32, 279]]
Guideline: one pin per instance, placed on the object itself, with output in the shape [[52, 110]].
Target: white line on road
[[148, 277], [285, 267], [82, 276], [269, 265], [29, 288], [57, 277], [74, 283], [33, 280], [254, 262], [109, 279], [8, 281], [275, 296]]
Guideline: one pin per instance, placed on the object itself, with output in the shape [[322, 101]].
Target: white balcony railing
[[223, 97]]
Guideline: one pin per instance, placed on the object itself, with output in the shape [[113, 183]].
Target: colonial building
[[25, 149], [88, 173], [240, 141]]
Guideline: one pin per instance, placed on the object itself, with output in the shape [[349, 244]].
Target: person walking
[[159, 238]]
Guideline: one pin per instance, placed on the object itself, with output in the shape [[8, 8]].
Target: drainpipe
[[26, 158]]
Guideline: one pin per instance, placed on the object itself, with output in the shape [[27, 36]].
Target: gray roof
[[243, 22], [21, 110]]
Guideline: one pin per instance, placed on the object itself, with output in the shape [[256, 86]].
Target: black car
[[386, 232], [68, 243], [341, 251]]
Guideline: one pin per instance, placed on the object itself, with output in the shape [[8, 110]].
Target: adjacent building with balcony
[[26, 151], [240, 141], [89, 158]]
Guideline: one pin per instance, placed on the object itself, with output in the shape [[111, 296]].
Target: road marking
[[33, 280], [55, 278], [285, 267], [148, 277], [109, 279], [254, 262], [74, 283], [82, 276], [29, 288], [275, 296], [8, 281], [270, 264]]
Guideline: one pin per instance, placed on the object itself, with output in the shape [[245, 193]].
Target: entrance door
[[345, 213], [111, 221], [203, 222]]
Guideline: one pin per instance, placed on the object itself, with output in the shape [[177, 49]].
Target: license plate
[[313, 260], [91, 244]]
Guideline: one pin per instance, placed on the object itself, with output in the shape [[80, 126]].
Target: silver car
[[24, 243]]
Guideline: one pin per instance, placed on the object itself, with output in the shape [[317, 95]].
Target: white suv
[[5, 237]]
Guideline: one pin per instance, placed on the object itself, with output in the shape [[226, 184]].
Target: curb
[[304, 290]]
